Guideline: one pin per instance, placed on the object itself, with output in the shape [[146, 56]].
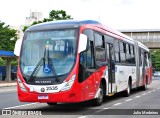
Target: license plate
[[43, 97]]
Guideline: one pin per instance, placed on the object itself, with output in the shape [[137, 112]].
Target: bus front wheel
[[99, 100]]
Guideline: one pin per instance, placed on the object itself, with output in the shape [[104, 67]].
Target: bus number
[[51, 88]]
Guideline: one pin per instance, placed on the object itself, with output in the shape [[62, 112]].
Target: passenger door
[[111, 68]]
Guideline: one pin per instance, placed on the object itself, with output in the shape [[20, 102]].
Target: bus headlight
[[21, 85], [69, 84]]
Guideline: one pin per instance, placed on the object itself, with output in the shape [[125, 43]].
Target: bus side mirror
[[82, 43], [17, 47]]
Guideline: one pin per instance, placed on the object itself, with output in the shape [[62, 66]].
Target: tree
[[155, 57], [6, 34], [34, 23], [59, 15], [53, 15], [24, 28]]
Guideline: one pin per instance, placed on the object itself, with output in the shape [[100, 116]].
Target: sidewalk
[[5, 84]]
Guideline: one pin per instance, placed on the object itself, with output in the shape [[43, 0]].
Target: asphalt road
[[8, 97], [116, 106]]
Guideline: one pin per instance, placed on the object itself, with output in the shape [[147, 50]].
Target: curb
[[8, 84]]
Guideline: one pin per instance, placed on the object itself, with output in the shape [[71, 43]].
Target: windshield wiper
[[42, 62], [53, 70], [36, 69]]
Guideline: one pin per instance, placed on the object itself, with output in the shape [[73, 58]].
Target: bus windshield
[[48, 53]]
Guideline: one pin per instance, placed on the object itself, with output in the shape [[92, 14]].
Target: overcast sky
[[118, 14]]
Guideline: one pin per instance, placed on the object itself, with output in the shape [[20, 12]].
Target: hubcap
[[128, 89], [100, 96], [146, 85]]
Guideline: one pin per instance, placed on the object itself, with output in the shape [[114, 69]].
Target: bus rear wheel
[[128, 90], [144, 87], [99, 100]]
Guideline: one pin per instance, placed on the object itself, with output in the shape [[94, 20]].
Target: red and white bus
[[75, 61]]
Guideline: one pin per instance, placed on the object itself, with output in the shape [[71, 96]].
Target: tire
[[98, 101], [128, 90], [144, 87], [51, 104]]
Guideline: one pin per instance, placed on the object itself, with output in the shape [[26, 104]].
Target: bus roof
[[61, 24], [143, 46], [73, 24]]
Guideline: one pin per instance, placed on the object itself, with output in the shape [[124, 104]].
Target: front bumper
[[73, 95]]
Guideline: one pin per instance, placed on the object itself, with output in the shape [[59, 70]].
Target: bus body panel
[[122, 75], [87, 90]]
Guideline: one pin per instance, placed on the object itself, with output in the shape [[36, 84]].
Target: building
[[34, 16]]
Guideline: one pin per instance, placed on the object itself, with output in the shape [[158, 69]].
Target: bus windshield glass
[[48, 53]]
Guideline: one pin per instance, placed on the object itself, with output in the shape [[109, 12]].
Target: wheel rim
[[128, 89], [146, 84], [100, 96]]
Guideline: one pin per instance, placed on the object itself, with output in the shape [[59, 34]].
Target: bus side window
[[100, 48], [132, 54], [83, 59], [90, 49], [149, 60], [117, 53], [82, 67], [122, 52], [140, 57], [90, 56], [146, 59]]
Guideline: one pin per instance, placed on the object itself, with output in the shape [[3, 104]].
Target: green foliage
[[14, 62], [59, 15], [5, 35], [155, 57], [2, 62], [47, 20], [35, 22], [53, 15], [24, 28]]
